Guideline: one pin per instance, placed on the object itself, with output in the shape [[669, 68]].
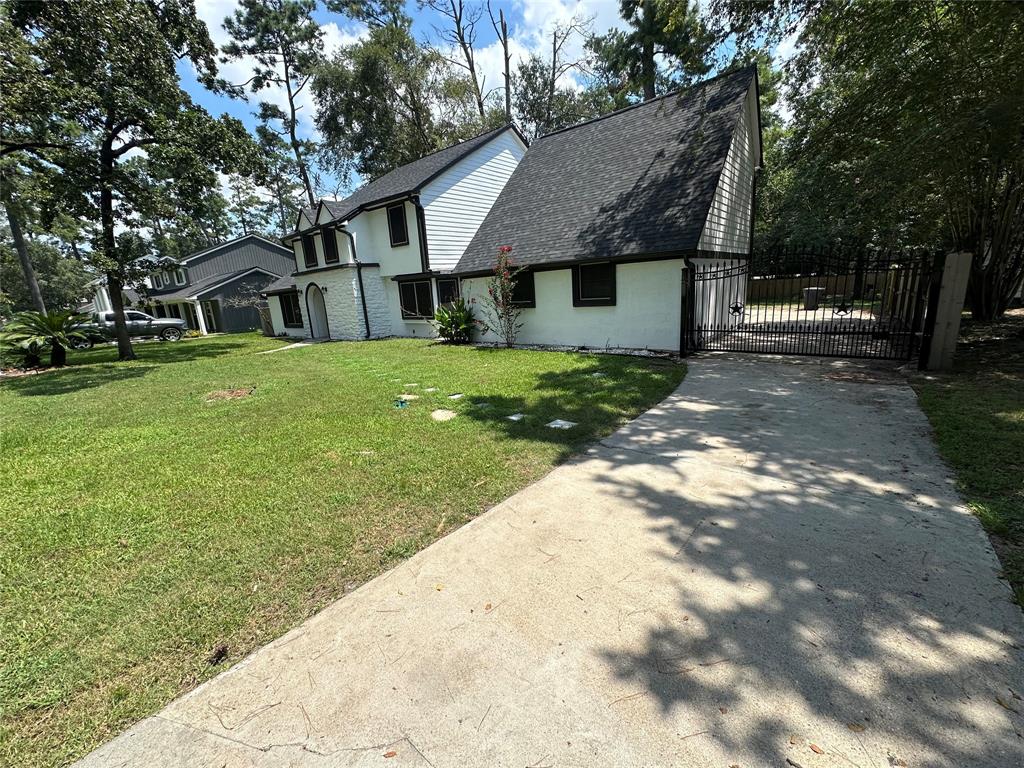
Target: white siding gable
[[304, 222], [727, 227], [456, 202], [323, 216]]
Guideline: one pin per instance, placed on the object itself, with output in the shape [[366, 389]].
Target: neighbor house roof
[[636, 182], [284, 284], [188, 292], [213, 248], [406, 179]]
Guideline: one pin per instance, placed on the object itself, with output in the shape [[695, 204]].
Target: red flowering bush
[[501, 313]]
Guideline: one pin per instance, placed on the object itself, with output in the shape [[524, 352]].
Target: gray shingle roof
[[201, 286], [636, 182], [407, 178], [284, 284]]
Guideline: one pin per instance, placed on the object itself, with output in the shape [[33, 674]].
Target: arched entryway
[[316, 311]]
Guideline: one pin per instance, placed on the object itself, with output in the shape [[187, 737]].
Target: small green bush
[[454, 322]]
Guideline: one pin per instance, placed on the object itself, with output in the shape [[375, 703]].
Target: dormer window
[[158, 281], [308, 251], [179, 276], [397, 226], [330, 241]]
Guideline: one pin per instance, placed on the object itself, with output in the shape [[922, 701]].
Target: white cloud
[[213, 13], [532, 34]]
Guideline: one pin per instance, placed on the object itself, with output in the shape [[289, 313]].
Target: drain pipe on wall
[[359, 277]]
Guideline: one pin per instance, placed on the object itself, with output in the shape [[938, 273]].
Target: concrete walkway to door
[[771, 565]]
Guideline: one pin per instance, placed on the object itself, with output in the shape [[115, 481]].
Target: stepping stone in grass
[[598, 374], [516, 417], [430, 389], [411, 385], [408, 398], [561, 424], [442, 414], [456, 396], [482, 406]]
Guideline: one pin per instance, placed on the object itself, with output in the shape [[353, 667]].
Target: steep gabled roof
[[212, 248], [408, 178], [207, 284], [636, 182]]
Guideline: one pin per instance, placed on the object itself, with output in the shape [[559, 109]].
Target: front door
[[317, 311]]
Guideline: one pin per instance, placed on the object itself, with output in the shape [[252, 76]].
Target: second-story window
[[158, 280], [330, 241], [396, 225], [308, 251], [179, 276]]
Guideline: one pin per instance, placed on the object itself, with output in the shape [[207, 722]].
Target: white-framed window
[[158, 280], [179, 276]]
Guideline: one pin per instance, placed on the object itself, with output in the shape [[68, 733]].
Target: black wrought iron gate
[[837, 303]]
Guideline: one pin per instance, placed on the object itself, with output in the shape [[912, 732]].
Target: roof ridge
[[207, 249], [639, 104]]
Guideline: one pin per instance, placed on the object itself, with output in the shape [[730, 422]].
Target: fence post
[[942, 325], [686, 310]]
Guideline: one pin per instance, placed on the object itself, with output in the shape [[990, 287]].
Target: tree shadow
[[593, 397], [818, 583], [97, 368], [664, 209]]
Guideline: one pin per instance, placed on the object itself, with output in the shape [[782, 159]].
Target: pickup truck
[[139, 324]]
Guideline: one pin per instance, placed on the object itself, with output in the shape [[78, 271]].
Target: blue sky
[[530, 23]]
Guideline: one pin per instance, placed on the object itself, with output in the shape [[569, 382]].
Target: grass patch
[[154, 535], [977, 412]]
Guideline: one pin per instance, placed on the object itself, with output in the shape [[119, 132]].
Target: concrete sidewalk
[[770, 565]]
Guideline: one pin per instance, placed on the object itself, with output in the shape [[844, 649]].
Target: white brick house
[[602, 219], [377, 263]]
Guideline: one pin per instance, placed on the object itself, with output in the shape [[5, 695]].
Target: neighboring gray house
[[200, 287]]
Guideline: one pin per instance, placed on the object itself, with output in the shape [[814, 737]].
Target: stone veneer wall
[[344, 308]]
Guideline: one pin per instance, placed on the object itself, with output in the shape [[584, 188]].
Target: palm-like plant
[[454, 322], [56, 330]]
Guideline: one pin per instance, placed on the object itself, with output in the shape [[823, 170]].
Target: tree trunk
[[109, 246], [648, 27], [501, 30], [647, 70], [26, 261], [300, 161], [508, 71], [58, 355]]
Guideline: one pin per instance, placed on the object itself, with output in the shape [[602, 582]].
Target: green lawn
[[977, 412], [144, 526]]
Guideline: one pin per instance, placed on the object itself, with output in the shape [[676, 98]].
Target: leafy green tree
[[386, 100], [284, 197], [907, 126], [62, 280], [109, 93], [666, 32], [247, 208], [287, 45], [543, 102]]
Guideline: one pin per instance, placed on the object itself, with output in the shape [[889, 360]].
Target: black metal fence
[[832, 302]]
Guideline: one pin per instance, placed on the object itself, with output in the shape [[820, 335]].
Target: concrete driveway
[[771, 568]]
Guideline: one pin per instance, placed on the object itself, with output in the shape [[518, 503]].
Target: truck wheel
[[170, 334]]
